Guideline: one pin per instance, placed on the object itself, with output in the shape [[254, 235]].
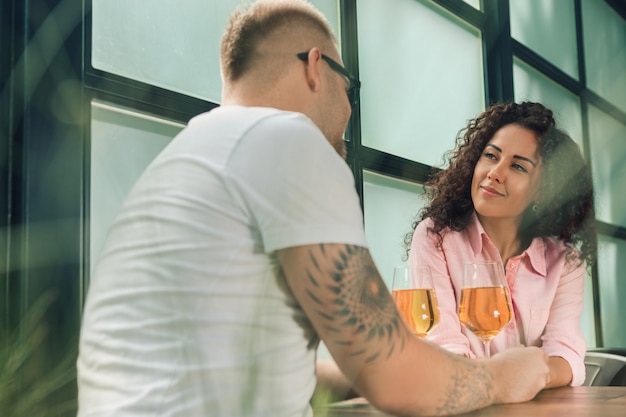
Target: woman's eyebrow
[[514, 156], [495, 147], [525, 159]]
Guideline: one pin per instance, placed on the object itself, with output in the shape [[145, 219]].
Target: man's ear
[[313, 69]]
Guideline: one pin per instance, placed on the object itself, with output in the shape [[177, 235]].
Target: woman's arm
[[424, 252], [563, 340]]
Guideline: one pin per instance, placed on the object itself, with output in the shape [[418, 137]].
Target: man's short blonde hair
[[249, 26]]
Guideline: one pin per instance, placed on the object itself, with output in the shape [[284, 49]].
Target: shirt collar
[[476, 234], [535, 252]]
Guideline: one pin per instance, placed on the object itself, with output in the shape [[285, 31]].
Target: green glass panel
[[531, 85], [605, 51], [587, 319], [474, 3], [422, 77], [608, 153], [123, 143], [549, 29], [390, 206], [611, 267], [169, 43]]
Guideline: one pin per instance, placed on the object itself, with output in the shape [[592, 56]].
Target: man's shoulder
[[248, 115], [256, 122]]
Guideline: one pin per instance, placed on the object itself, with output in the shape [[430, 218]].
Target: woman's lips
[[491, 191]]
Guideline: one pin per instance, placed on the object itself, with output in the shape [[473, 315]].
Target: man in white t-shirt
[[242, 244]]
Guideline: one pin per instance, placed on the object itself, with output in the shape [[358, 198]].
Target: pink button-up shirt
[[546, 290]]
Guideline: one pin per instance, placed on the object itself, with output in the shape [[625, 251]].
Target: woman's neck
[[503, 233]]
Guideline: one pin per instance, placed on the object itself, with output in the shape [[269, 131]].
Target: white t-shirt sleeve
[[294, 185]]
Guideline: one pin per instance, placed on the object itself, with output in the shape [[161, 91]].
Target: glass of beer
[[485, 306], [413, 292]]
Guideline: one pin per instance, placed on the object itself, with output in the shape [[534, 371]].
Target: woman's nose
[[495, 174]]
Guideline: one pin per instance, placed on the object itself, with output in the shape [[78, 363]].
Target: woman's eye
[[489, 155], [519, 167]]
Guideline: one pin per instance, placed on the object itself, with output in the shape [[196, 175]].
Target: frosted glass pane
[[422, 78], [608, 157], [390, 206], [605, 51], [587, 319], [123, 143], [474, 3], [611, 267], [531, 85], [549, 29], [168, 43]]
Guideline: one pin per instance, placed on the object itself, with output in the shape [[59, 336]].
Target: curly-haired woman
[[517, 190]]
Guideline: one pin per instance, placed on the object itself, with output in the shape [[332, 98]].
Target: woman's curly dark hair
[[565, 210]]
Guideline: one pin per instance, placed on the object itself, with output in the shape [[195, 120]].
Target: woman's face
[[508, 174]]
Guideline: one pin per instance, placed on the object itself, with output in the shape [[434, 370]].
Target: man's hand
[[521, 372]]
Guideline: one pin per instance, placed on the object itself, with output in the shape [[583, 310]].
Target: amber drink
[[485, 311], [419, 309], [413, 292], [485, 307]]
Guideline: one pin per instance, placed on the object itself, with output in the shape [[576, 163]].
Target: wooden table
[[558, 402]]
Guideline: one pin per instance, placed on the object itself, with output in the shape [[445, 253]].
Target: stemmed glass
[[485, 306], [414, 295]]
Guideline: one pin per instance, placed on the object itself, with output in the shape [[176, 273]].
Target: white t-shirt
[[185, 314]]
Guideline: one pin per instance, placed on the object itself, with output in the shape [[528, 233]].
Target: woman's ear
[[535, 206], [537, 202]]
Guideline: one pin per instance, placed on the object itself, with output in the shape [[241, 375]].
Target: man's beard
[[340, 147]]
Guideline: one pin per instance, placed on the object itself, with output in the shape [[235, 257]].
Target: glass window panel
[[123, 143], [422, 78], [605, 55], [170, 43], [474, 3], [611, 267], [531, 85], [587, 319], [533, 22], [608, 153], [390, 206]]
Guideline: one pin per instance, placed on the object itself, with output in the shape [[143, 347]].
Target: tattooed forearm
[[461, 395], [360, 300]]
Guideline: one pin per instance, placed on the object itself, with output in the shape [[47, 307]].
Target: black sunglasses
[[353, 83]]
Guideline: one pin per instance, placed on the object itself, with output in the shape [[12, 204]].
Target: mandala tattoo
[[361, 301]]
